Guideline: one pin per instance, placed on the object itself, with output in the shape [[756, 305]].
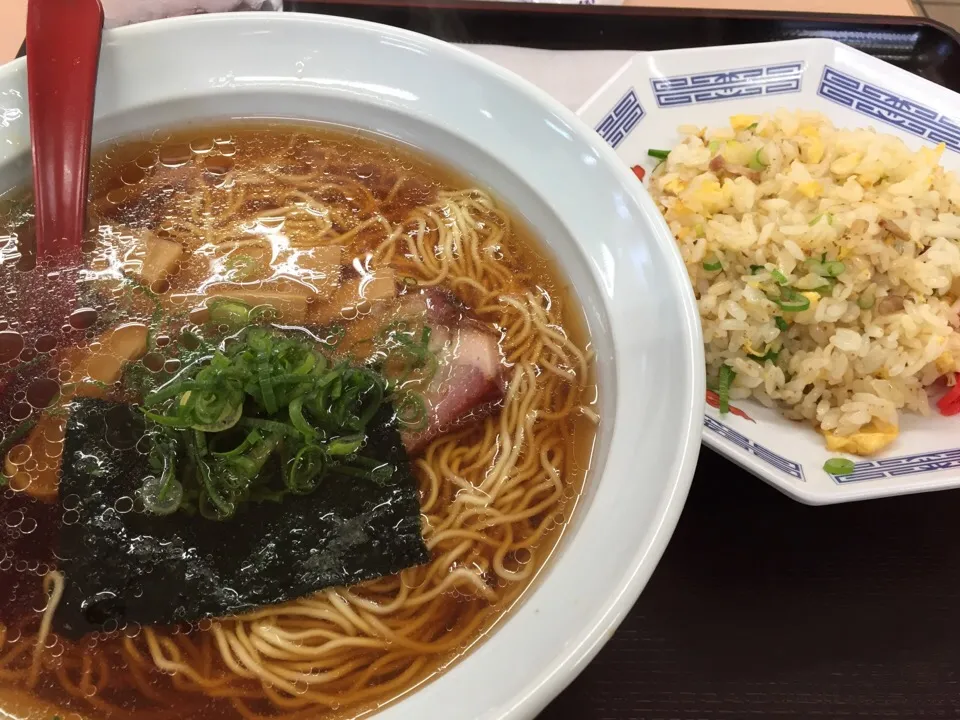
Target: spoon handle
[[63, 49]]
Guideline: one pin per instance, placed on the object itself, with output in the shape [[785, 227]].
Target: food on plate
[[321, 411], [826, 267]]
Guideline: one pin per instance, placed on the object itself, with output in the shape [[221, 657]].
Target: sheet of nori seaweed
[[124, 566]]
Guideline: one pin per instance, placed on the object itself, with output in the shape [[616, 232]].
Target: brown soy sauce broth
[[224, 183]]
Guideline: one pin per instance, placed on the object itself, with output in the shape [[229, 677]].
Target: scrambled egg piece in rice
[[869, 439], [826, 265]]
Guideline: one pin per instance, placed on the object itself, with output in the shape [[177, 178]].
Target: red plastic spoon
[[63, 49]]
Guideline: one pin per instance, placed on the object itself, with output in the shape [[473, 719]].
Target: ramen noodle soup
[[296, 429]]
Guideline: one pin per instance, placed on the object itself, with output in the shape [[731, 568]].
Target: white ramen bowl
[[571, 188]]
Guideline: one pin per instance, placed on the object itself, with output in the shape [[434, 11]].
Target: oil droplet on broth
[[83, 318], [11, 345], [45, 343], [132, 175], [41, 392], [175, 155], [153, 362], [218, 164], [201, 146], [20, 411], [19, 454]]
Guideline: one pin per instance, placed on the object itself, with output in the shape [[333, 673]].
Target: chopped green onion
[[835, 268], [839, 466], [252, 438], [229, 417], [291, 405], [266, 391], [756, 162], [269, 426], [346, 445], [306, 470], [791, 301], [725, 381], [714, 145], [241, 267], [224, 311], [866, 299], [412, 412], [816, 219], [659, 154], [161, 497], [169, 421], [263, 313], [779, 277], [712, 264], [781, 323], [825, 289], [771, 355], [755, 269], [829, 268], [171, 389], [752, 126]]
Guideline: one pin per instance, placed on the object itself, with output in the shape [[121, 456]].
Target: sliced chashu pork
[[469, 382]]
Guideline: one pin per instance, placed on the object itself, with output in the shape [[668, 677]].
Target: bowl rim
[[637, 565]]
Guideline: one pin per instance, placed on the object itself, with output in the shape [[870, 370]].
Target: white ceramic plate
[[570, 186], [641, 108]]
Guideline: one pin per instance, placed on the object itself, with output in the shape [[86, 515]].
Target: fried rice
[[826, 267]]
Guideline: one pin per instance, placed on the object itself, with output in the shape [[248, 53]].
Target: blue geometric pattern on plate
[[623, 118], [768, 456], [728, 84], [900, 466], [889, 108]]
